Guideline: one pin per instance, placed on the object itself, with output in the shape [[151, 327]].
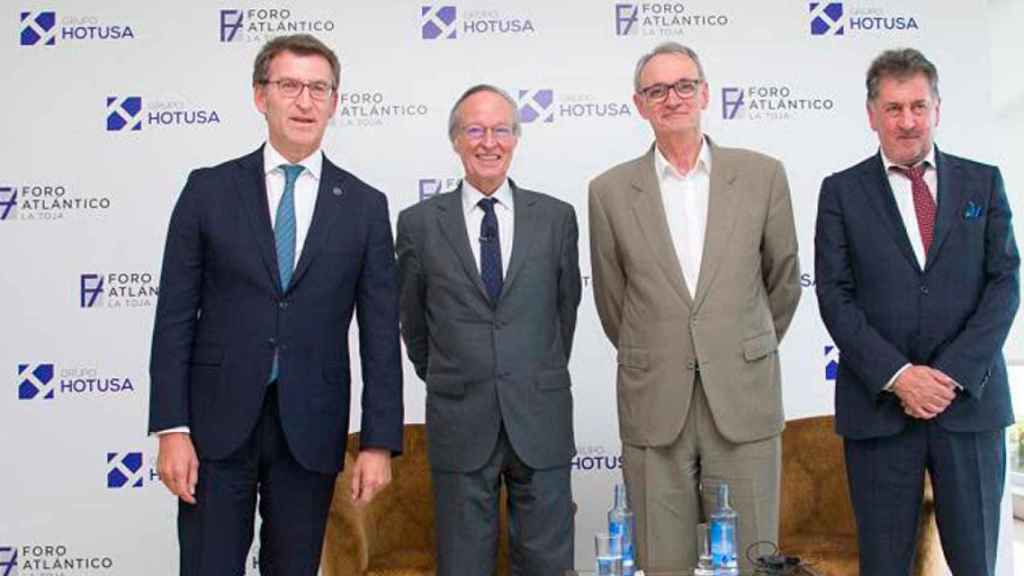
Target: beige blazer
[[729, 330]]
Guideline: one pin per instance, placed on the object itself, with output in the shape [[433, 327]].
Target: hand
[[924, 392], [178, 465], [371, 474]]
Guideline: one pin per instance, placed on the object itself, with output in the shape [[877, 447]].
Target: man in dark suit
[[917, 283], [267, 256], [490, 283]]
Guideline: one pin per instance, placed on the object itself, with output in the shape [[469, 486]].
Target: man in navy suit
[[267, 257], [917, 282]]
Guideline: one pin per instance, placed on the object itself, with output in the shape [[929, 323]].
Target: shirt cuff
[[184, 429], [888, 385]]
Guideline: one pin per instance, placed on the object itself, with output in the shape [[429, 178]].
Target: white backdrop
[[110, 105]]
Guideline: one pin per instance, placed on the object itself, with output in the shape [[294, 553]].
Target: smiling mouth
[[303, 121]]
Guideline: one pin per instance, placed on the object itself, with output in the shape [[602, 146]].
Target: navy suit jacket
[[221, 315], [884, 311]]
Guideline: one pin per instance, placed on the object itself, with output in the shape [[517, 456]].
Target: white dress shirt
[[685, 197], [306, 187], [504, 209], [903, 193]]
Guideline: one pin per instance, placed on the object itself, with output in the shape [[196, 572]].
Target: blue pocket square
[[972, 211]]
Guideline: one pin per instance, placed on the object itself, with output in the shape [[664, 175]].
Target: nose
[[489, 139], [906, 119], [304, 99]]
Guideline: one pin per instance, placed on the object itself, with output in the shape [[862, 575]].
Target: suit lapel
[[330, 200], [650, 214], [525, 222], [722, 202], [452, 223], [949, 199], [880, 196], [252, 188]]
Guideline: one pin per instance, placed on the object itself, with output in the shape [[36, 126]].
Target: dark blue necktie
[[284, 236], [490, 249]]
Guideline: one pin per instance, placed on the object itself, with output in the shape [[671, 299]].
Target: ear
[[869, 108], [259, 97], [641, 105], [938, 103]]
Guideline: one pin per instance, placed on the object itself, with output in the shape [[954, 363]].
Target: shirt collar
[[272, 160], [470, 196], [929, 160], [664, 168]]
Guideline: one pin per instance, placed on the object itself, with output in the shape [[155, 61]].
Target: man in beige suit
[[696, 279]]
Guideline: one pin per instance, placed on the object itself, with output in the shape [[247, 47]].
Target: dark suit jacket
[[485, 364], [884, 311], [221, 313]]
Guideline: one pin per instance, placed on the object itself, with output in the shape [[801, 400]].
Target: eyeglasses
[[685, 88], [291, 88], [501, 133]]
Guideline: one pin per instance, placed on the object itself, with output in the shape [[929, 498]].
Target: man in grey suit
[[696, 279], [490, 283]]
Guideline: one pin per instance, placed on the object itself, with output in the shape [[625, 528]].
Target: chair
[[394, 534], [817, 522]]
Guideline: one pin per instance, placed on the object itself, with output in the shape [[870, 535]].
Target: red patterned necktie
[[924, 205]]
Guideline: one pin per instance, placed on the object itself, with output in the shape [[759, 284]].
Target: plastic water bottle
[[620, 521], [723, 535]]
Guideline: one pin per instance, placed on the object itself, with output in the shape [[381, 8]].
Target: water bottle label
[[723, 547]]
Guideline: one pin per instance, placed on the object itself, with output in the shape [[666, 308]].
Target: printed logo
[[126, 113], [231, 25], [8, 203], [43, 381], [38, 28], [49, 560], [8, 561], [448, 22], [91, 290], [662, 19], [595, 458], [831, 363], [45, 202], [42, 29], [35, 381], [772, 102], [826, 18], [547, 105], [433, 186], [117, 290], [536, 105], [124, 470], [375, 108], [257, 25], [847, 18], [438, 22], [626, 16]]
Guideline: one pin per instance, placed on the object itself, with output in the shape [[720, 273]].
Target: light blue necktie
[[284, 236]]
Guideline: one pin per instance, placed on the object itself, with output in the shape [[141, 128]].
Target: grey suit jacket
[[729, 329], [490, 363]]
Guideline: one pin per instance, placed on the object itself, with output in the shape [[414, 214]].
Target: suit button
[[272, 342], [924, 289], [283, 304]]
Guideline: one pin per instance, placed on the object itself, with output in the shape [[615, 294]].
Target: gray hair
[[900, 64], [300, 44], [666, 48], [454, 122]]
